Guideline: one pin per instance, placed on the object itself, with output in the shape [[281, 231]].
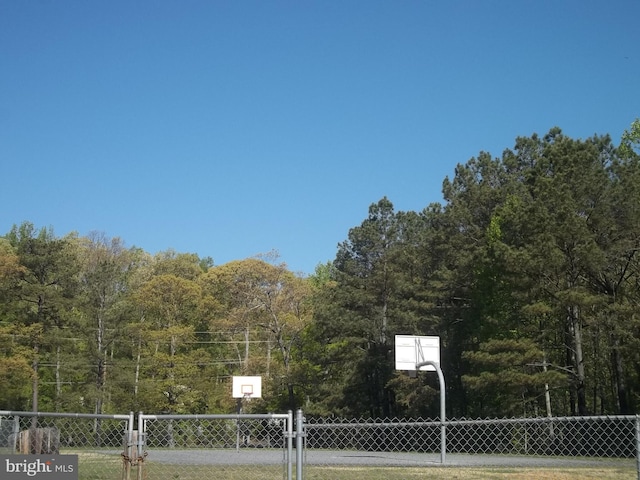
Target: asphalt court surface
[[257, 456]]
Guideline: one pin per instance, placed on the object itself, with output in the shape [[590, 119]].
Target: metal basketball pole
[[443, 414]]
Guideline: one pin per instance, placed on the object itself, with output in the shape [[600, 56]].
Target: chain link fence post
[[289, 435], [126, 453], [141, 446], [638, 445], [299, 444]]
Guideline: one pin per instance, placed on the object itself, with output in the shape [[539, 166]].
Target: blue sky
[[233, 128]]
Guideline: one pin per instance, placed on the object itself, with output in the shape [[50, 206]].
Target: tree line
[[528, 271]]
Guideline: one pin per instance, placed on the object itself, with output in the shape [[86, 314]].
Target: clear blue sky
[[232, 128]]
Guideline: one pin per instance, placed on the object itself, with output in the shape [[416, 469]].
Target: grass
[[467, 473], [109, 467]]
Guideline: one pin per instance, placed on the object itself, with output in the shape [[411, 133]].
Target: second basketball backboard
[[414, 349]]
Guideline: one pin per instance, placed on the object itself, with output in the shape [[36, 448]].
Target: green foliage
[[506, 378], [630, 143], [528, 273], [15, 367]]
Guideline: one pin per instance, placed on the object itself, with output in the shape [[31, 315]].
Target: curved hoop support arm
[[443, 404]]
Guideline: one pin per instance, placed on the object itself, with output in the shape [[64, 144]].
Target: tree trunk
[[268, 366], [100, 386], [58, 380], [621, 386], [246, 349], [547, 398], [292, 397], [34, 399], [100, 377], [575, 327], [137, 374], [34, 383], [547, 394]]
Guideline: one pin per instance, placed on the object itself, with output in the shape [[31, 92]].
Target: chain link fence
[[274, 446], [218, 446], [98, 440], [537, 442]]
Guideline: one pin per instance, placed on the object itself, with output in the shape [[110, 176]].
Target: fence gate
[[247, 446], [97, 440]]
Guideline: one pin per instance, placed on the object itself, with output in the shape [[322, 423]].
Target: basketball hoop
[[246, 390]]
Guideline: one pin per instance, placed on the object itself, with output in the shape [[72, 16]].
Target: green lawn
[[110, 467]]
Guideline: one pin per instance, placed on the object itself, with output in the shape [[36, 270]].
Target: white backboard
[[247, 387], [412, 349]]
